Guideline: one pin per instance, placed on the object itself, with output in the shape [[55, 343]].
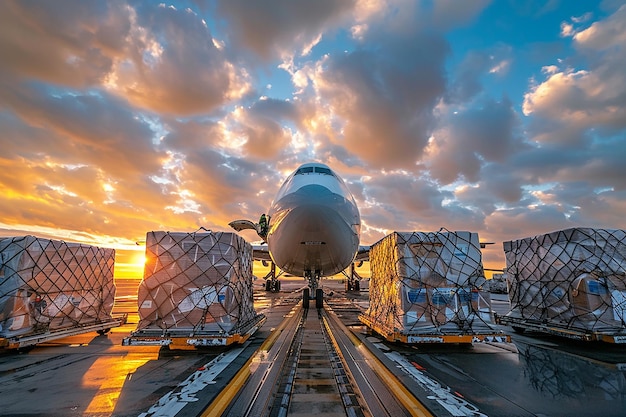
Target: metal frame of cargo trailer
[[519, 323], [434, 338], [190, 339], [27, 340]]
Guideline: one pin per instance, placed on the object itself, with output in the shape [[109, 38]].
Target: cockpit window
[[304, 170], [323, 170], [317, 170]]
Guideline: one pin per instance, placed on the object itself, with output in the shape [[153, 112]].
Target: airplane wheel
[[268, 285], [277, 286], [305, 298], [357, 285], [348, 285], [518, 329], [319, 298], [25, 349]]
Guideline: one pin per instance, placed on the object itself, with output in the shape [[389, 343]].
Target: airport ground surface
[[95, 375]]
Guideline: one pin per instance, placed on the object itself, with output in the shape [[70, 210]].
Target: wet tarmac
[[536, 375], [92, 375]]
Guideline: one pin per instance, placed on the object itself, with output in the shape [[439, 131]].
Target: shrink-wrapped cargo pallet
[[428, 284], [197, 283], [574, 278], [50, 285]]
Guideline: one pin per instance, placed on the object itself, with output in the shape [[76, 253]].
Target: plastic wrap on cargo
[[423, 282], [574, 277], [48, 285], [197, 281]]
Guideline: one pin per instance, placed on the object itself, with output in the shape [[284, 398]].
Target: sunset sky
[[503, 117]]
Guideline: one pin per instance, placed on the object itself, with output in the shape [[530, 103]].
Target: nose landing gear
[[313, 278]]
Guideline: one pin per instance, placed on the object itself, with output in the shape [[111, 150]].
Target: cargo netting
[[574, 278], [428, 282], [48, 285], [201, 282]]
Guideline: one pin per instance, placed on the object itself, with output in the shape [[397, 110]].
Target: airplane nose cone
[[312, 230]]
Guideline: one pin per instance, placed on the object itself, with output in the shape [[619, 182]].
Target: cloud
[[604, 34], [180, 136], [276, 28], [263, 128], [567, 29], [82, 128], [227, 188], [498, 187], [574, 101], [579, 100], [450, 14], [383, 96], [62, 43], [161, 59], [472, 137], [172, 65]]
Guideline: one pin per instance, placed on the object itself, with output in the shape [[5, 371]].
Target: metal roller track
[[314, 365]]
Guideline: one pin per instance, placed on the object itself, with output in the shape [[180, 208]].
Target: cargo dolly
[[191, 338], [520, 324], [447, 336], [32, 339]]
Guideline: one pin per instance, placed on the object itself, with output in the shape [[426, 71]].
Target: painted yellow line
[[412, 404], [269, 342], [225, 397], [406, 398]]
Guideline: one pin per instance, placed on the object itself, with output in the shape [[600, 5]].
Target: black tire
[[25, 349], [319, 298], [357, 286], [518, 330], [277, 286], [268, 285], [305, 298]]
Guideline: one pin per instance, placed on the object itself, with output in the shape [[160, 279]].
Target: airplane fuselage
[[314, 225]]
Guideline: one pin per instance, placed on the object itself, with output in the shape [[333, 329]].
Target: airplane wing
[[261, 253], [363, 254]]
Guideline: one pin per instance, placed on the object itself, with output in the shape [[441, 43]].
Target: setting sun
[[130, 263], [139, 259]]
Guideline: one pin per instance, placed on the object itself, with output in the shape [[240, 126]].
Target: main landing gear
[[313, 278], [272, 283], [353, 283]]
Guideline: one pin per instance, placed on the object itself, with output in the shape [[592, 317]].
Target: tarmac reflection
[[564, 375]]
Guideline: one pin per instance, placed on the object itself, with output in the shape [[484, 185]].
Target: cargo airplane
[[313, 229]]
